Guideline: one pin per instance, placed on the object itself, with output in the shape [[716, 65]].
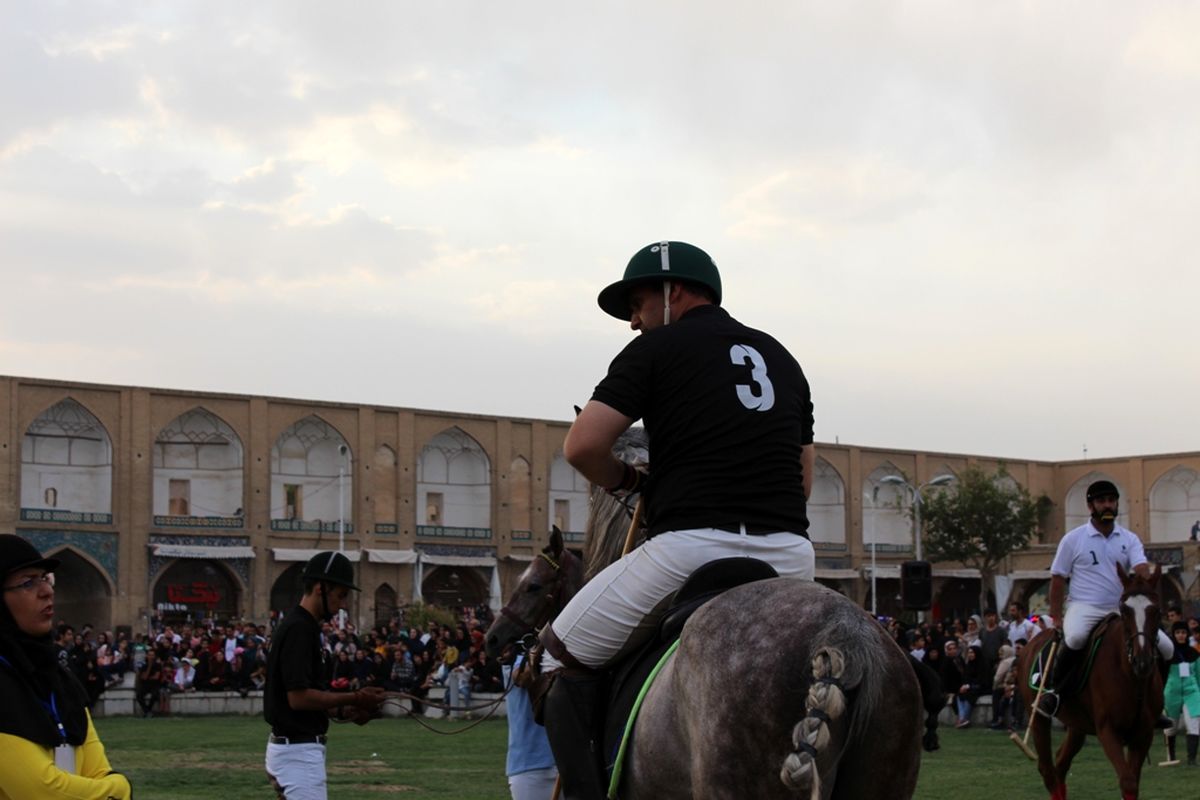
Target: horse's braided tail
[[825, 703]]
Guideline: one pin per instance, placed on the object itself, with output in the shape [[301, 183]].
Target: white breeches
[[299, 769], [1081, 618], [617, 609]]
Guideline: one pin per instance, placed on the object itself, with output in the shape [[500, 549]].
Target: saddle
[[1078, 677], [627, 679]]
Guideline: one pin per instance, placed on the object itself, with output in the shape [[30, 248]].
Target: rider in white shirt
[[1089, 556]]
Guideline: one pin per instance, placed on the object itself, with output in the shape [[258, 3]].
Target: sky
[[973, 223]]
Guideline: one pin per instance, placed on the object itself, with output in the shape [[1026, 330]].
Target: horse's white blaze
[[1139, 604]]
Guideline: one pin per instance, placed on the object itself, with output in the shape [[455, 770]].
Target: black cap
[[1102, 489], [330, 567], [16, 553]]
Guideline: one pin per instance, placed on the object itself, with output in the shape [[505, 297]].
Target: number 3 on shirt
[[764, 398]]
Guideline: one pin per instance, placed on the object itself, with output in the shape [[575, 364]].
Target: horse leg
[[1041, 745], [1115, 752], [1067, 751]]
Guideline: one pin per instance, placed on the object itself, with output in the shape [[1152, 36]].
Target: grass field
[[221, 757]]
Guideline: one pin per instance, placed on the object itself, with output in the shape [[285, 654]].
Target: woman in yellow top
[[50, 748]]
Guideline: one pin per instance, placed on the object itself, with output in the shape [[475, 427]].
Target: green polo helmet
[[661, 261], [330, 567]]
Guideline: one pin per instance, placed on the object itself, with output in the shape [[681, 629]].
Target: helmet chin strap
[[666, 266]]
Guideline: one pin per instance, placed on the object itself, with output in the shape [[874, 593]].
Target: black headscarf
[[32, 679]]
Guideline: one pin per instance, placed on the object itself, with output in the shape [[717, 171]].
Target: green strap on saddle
[[1093, 648], [626, 735]]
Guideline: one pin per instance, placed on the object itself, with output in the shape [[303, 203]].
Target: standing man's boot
[[571, 726], [1193, 744], [1170, 748]]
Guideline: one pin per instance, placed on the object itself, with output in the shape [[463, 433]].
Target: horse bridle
[[1144, 664], [554, 597]]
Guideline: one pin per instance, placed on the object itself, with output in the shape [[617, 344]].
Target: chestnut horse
[[779, 688], [1122, 698]]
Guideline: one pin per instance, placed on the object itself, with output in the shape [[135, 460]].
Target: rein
[[394, 698]]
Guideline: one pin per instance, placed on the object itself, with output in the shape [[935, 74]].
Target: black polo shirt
[[296, 661], [727, 409]]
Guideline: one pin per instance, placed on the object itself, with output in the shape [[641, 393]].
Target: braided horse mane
[[608, 518]]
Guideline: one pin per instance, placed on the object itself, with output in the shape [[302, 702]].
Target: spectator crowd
[[209, 657]]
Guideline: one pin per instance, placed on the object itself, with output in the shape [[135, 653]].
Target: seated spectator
[[363, 668], [1003, 684], [971, 687], [486, 675], [185, 676], [216, 678], [401, 676]]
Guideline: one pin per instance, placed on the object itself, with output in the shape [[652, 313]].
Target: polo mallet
[[634, 524], [1170, 762], [1023, 743]]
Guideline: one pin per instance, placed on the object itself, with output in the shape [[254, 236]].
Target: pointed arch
[[459, 497], [83, 591], [198, 468], [1175, 505], [67, 463], [312, 477], [1075, 508], [827, 505], [286, 590], [886, 521], [385, 604], [196, 588]]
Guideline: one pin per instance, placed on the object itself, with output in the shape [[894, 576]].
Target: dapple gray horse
[[780, 688]]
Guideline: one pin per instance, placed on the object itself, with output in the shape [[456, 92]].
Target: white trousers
[[618, 609], [1081, 618], [536, 784], [299, 769]]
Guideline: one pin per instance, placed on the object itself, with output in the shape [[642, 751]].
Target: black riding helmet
[[661, 261], [1102, 488], [330, 567]]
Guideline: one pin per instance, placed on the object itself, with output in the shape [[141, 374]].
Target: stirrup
[[1047, 707]]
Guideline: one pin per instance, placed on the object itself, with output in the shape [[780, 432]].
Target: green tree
[[978, 522]]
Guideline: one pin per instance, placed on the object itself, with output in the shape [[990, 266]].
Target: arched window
[[198, 470], [66, 466], [1175, 505], [454, 491], [886, 522], [311, 478], [827, 505]]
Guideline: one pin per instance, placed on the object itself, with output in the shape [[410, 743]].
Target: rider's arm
[[368, 699], [588, 446], [1058, 594], [808, 462]]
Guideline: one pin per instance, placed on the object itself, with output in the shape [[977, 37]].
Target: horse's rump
[[741, 679]]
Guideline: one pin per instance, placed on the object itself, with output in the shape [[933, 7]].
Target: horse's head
[[1140, 616], [551, 579]]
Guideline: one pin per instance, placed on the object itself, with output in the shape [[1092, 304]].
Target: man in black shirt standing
[[729, 417], [297, 702]]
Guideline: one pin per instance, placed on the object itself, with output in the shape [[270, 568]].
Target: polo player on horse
[[729, 414]]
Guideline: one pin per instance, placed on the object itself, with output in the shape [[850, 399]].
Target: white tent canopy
[[292, 554], [201, 551], [391, 556]]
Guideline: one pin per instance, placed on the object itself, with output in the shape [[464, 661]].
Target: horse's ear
[[556, 541], [1123, 575], [1157, 572]]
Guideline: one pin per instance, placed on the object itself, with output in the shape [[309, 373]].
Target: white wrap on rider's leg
[[618, 608]]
